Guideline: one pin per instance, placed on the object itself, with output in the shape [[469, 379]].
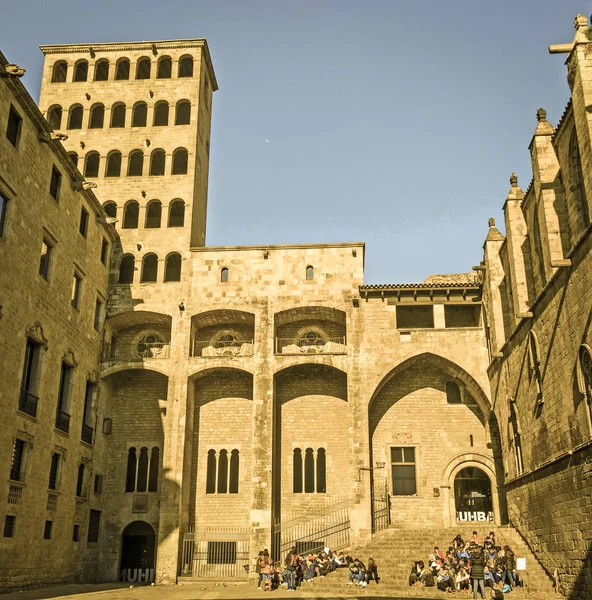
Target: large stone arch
[[415, 427]]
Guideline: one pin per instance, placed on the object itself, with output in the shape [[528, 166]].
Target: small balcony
[[311, 345], [223, 348], [62, 421], [136, 352], [28, 403], [87, 434]]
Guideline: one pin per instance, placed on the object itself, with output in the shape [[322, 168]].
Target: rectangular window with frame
[[98, 314], [76, 532], [47, 530], [55, 183], [28, 399], [16, 462], [13, 129], [104, 250], [87, 429], [403, 471], [98, 489], [53, 471], [83, 222], [76, 290], [94, 525], [9, 524], [80, 481], [44, 262], [63, 407], [3, 206]]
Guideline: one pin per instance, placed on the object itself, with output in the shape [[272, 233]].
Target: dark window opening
[[173, 268], [54, 117], [76, 533], [98, 314], [234, 474], [309, 476], [59, 72], [97, 117], [53, 471], [110, 209], [157, 162], [452, 393], [75, 117], [153, 215], [183, 113], [104, 251], [76, 289], [47, 530], [142, 470], [102, 70], [462, 315], [80, 481], [28, 399], [149, 269], [403, 471], [177, 214], [143, 69], [62, 414], [74, 158], [83, 227], [161, 114], [91, 164], [126, 269], [224, 275], [3, 205], [9, 523], [44, 261], [98, 487], [94, 523], [130, 478], [222, 487], [131, 214], [153, 475], [118, 115], [113, 165], [136, 163], [16, 463], [211, 473], [180, 159], [186, 67], [415, 317], [140, 115], [297, 471], [81, 71], [122, 71], [309, 273], [165, 67], [55, 183], [321, 471]]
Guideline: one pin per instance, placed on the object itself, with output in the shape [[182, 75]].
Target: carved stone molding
[[69, 358], [35, 332]]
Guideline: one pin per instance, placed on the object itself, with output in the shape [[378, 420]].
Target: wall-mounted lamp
[[379, 465], [151, 94], [87, 96], [148, 143], [139, 246], [92, 52], [143, 194], [154, 50], [182, 306], [82, 145], [354, 253]]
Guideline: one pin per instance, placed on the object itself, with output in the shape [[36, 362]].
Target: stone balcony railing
[[334, 345], [136, 352], [222, 349]]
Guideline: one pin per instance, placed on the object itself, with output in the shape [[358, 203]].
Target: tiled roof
[[459, 280]]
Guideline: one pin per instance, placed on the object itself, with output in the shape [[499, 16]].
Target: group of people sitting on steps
[[303, 568], [468, 565]]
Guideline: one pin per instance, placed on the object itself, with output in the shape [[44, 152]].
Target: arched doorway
[[138, 552], [472, 495]]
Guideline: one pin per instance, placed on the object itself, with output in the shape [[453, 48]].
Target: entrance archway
[[472, 495], [138, 552]]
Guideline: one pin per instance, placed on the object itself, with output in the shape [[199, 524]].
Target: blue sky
[[393, 122]]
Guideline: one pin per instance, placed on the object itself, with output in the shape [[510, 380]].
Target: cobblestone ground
[[209, 591]]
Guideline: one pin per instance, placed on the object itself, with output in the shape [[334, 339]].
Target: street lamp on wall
[[379, 465]]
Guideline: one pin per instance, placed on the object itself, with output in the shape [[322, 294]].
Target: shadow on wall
[[582, 588]]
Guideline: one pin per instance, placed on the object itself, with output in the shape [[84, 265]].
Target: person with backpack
[[292, 561], [509, 565], [478, 571]]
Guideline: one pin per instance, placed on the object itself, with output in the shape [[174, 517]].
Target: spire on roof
[[543, 127]]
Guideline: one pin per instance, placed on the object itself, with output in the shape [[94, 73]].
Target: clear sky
[[392, 122]]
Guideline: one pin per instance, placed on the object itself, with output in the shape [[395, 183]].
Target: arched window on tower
[[154, 465], [309, 471], [297, 471], [161, 114], [97, 117], [142, 470], [165, 67], [153, 214], [54, 117], [180, 159], [102, 70], [309, 273], [139, 114], [135, 165], [118, 115], [143, 68], [130, 478], [211, 473], [584, 375], [91, 164], [149, 269], [452, 393], [81, 71], [224, 275], [110, 209], [177, 213], [75, 117], [74, 158], [59, 71], [122, 70], [534, 365], [222, 487], [126, 269], [183, 112], [157, 162], [130, 215], [113, 164], [234, 474], [185, 66], [173, 267], [321, 471]]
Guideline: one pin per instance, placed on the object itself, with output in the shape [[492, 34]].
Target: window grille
[[16, 464], [52, 502], [15, 493], [9, 524], [53, 471], [47, 530], [221, 553]]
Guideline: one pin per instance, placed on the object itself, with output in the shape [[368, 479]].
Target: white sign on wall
[[474, 515], [139, 575], [520, 564]]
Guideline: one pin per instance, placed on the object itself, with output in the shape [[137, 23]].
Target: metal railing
[[327, 529], [15, 493], [136, 352], [216, 556], [52, 501], [332, 345], [86, 434], [62, 421], [223, 348], [28, 403], [381, 508]]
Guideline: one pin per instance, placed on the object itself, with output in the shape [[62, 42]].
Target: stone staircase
[[394, 551]]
